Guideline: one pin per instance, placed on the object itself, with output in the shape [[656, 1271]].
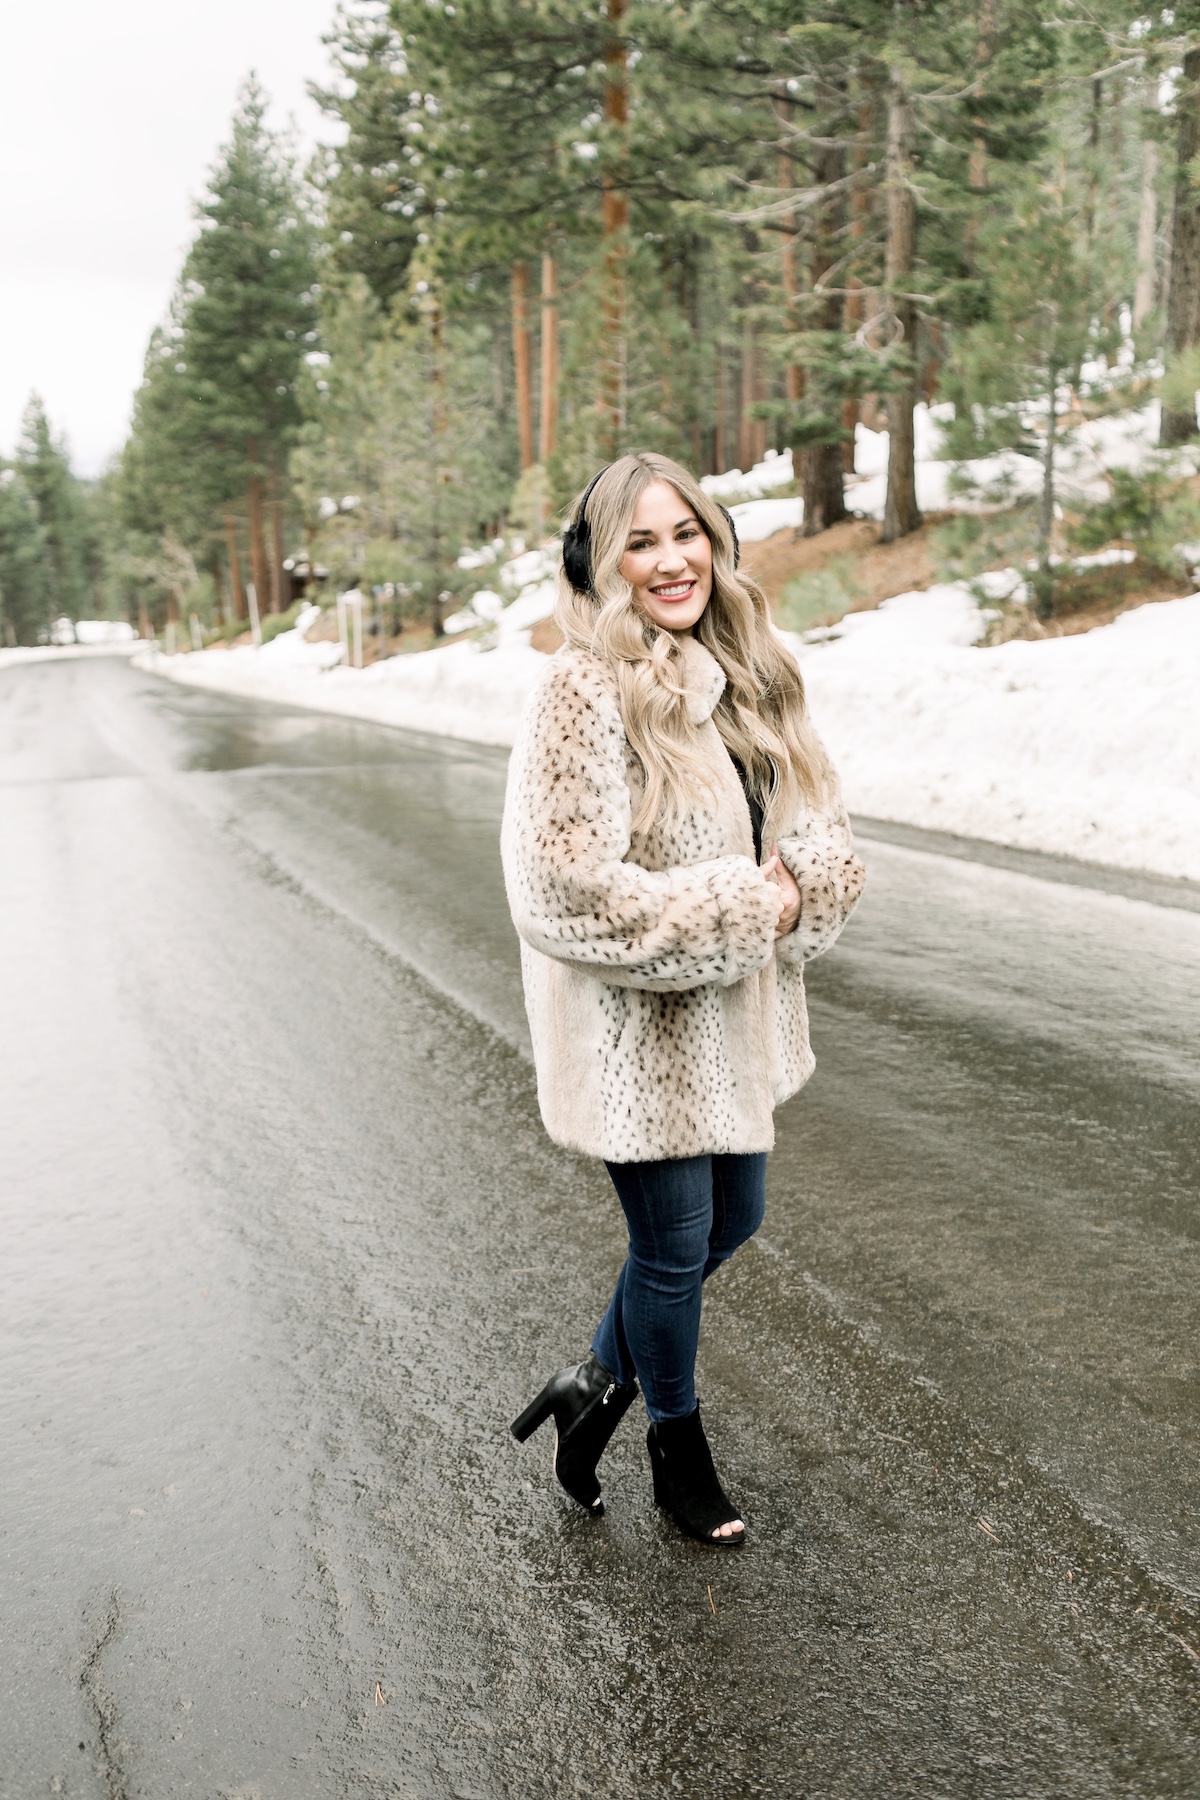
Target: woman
[[666, 744]]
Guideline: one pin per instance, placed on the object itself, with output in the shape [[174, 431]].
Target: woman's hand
[[776, 870]]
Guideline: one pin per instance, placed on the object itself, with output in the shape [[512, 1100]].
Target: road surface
[[286, 1248]]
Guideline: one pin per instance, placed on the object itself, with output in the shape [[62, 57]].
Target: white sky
[[110, 116]]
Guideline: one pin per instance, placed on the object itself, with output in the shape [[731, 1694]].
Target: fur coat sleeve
[[820, 855], [565, 841]]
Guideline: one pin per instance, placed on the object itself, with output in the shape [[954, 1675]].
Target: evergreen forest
[[547, 231]]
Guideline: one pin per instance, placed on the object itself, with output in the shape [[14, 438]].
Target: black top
[[754, 803]]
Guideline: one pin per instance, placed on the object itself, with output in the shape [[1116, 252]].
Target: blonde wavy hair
[[761, 715]]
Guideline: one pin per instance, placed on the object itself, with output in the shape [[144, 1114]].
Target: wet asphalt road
[[285, 1247]]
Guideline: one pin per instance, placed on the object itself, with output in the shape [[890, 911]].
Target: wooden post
[[521, 359]]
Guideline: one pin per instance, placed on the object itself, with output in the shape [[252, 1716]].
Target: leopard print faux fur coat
[[667, 1020]]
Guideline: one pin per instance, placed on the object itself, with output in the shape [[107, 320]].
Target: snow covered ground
[[1087, 746]]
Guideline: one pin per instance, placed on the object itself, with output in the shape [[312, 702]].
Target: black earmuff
[[577, 542]]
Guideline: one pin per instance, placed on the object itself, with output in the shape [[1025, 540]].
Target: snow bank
[[65, 652], [1085, 746], [470, 690], [459, 691]]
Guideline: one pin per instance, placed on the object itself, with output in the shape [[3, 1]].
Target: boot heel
[[587, 1404], [535, 1414], [686, 1483]]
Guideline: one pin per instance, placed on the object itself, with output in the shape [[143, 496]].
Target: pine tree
[[218, 411], [400, 458], [374, 196], [45, 464], [25, 596]]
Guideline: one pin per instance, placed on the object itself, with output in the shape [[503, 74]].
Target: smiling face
[[668, 559]]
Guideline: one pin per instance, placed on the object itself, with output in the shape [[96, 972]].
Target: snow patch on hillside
[[1085, 746], [1123, 440]]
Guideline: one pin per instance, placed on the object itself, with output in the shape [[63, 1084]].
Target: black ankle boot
[[686, 1484], [588, 1405]]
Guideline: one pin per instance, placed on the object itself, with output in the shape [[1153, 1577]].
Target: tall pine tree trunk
[[821, 465], [235, 568], [1044, 579], [439, 431], [548, 433], [615, 224], [1092, 183], [521, 359], [787, 264], [749, 394], [214, 567], [258, 556], [278, 575], [854, 308], [900, 512], [719, 447], [1183, 297], [1143, 294]]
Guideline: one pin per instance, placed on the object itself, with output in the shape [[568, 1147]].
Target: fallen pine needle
[[379, 1696], [992, 1533], [1184, 1645], [710, 1601]]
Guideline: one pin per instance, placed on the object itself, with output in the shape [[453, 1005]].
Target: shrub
[[820, 598], [1153, 510]]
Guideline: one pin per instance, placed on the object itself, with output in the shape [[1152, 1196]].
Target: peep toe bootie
[[587, 1405], [686, 1484]]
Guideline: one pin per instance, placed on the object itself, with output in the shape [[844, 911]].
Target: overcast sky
[[110, 116]]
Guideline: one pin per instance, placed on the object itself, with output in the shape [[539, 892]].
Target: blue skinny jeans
[[686, 1217]]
